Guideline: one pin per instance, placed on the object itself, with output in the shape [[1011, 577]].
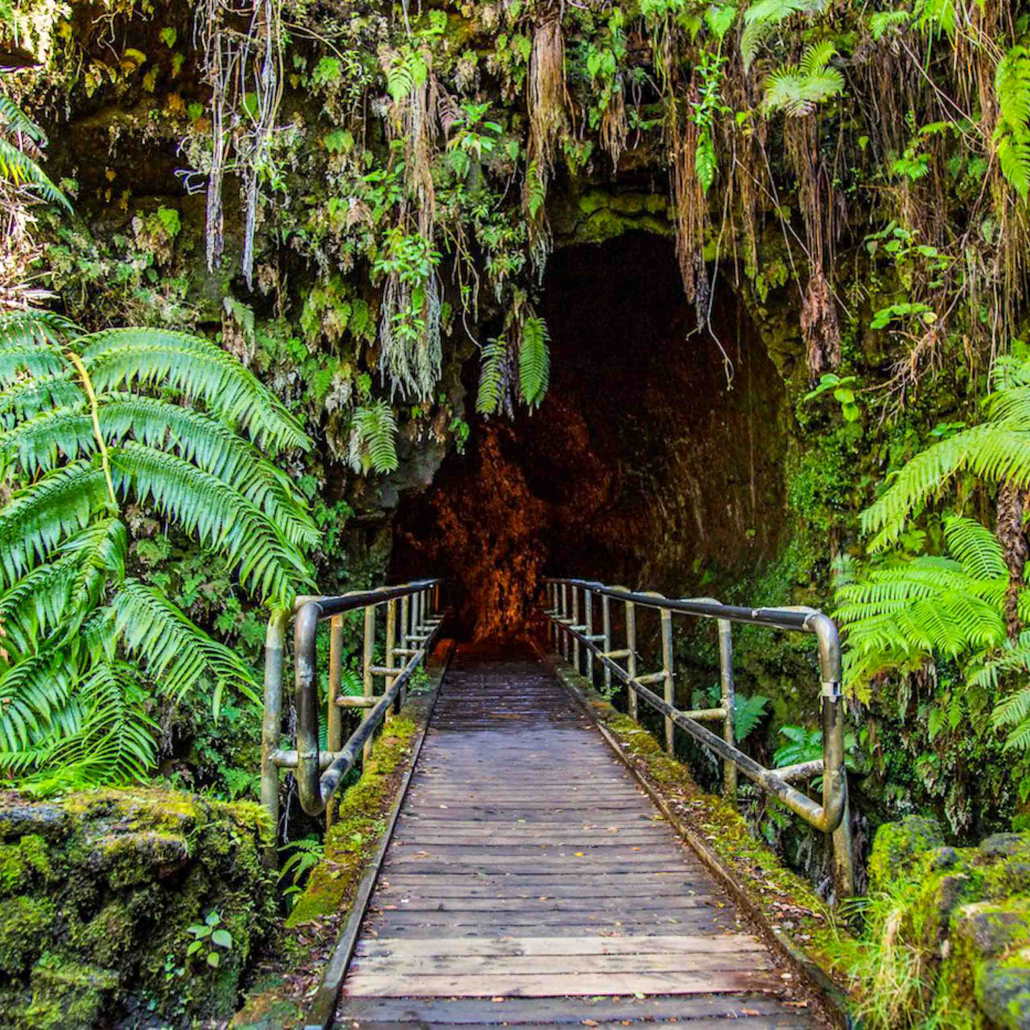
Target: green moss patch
[[97, 894]]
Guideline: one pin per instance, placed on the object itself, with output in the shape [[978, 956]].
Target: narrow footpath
[[531, 881]]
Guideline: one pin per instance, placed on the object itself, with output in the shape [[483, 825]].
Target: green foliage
[[797, 89], [372, 442], [1012, 132], [534, 361], [302, 856], [902, 611], [210, 940], [998, 450], [761, 20], [842, 393], [493, 364], [16, 167], [79, 439], [748, 711]]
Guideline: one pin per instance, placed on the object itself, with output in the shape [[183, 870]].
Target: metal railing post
[[606, 629], [575, 622], [334, 721], [631, 660], [271, 724], [668, 667], [588, 621], [391, 643], [567, 650], [367, 655], [729, 770]]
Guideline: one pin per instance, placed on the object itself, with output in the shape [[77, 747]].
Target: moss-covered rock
[[898, 846], [97, 894]]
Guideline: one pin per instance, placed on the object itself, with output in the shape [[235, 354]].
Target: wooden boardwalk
[[531, 881]]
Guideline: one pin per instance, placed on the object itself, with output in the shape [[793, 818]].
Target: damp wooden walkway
[[531, 881]]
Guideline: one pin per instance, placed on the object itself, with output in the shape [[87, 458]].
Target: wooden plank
[[404, 949], [552, 904], [550, 924], [544, 985], [562, 1011], [747, 1021], [429, 888], [554, 965]]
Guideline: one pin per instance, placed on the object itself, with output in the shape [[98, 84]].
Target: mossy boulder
[[97, 894], [899, 846], [964, 916]]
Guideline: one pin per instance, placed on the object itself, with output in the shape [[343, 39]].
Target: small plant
[[303, 856], [842, 393], [209, 941]]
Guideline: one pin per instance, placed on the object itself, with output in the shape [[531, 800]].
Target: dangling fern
[[798, 89], [1012, 133], [79, 436], [534, 361], [372, 443], [491, 377], [536, 189], [761, 20]]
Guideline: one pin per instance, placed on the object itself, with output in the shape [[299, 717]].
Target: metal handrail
[[319, 773], [830, 816]]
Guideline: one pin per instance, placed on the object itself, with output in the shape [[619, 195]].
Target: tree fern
[[79, 438], [534, 361], [904, 611], [491, 377], [1012, 132], [372, 441], [998, 450], [798, 89]]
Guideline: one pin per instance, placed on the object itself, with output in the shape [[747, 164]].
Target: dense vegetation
[[344, 208]]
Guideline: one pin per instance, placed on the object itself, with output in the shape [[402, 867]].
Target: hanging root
[[819, 325]]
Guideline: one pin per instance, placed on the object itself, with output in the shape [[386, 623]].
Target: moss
[[69, 994], [117, 879], [898, 846], [358, 826], [19, 862], [24, 922]]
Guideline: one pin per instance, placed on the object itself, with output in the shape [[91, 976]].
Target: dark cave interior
[[640, 468]]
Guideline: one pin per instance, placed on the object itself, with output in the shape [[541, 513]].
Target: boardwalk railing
[[410, 628], [573, 626]]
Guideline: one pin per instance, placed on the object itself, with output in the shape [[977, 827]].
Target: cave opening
[[643, 466]]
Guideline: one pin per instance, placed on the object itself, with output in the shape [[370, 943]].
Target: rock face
[[98, 892], [967, 910]]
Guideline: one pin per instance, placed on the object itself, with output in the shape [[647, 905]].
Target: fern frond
[[107, 737], [30, 693], [196, 368], [31, 396], [991, 451], [976, 547], [798, 89], [372, 445], [177, 653], [14, 119], [762, 18], [37, 445], [52, 600], [491, 377], [216, 449], [34, 326], [20, 170], [34, 359], [534, 361], [199, 503], [42, 515]]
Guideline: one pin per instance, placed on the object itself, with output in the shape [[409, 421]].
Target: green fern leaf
[[373, 432], [491, 377], [195, 368], [534, 361]]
